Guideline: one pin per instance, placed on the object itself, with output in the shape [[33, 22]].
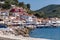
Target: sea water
[[48, 33]]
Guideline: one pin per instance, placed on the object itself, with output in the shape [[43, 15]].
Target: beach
[[1, 38], [5, 37], [12, 34]]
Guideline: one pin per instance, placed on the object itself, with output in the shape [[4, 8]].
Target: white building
[[4, 15], [2, 1], [30, 19], [58, 21]]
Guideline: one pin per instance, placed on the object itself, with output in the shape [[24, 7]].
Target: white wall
[[58, 21]]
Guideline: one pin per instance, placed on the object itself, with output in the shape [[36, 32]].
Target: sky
[[38, 4]]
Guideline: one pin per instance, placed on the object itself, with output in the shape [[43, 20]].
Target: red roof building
[[18, 10]]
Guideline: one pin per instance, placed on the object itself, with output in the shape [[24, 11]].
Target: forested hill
[[7, 4], [49, 11]]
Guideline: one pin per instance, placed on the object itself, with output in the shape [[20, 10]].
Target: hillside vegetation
[[8, 3], [49, 11], [45, 12]]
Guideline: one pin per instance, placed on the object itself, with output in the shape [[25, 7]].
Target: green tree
[[15, 2], [28, 6], [0, 5], [40, 14], [2, 0], [6, 6], [21, 4]]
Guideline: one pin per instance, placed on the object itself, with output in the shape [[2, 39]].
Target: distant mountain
[[50, 10]]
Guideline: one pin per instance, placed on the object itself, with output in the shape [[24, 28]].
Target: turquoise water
[[48, 33]]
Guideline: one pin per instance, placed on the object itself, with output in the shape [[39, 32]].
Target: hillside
[[50, 11], [8, 4]]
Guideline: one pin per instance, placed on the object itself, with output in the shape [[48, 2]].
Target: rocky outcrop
[[23, 32], [16, 31]]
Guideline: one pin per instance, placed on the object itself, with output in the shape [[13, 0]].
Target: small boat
[[3, 26]]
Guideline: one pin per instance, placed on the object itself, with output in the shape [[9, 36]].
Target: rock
[[17, 31]]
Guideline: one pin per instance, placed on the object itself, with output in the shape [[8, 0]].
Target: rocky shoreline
[[19, 38], [1, 38], [16, 33]]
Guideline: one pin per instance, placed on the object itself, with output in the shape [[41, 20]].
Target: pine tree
[[28, 6], [21, 4]]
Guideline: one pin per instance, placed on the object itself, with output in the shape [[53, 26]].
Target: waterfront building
[[4, 14], [31, 19]]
